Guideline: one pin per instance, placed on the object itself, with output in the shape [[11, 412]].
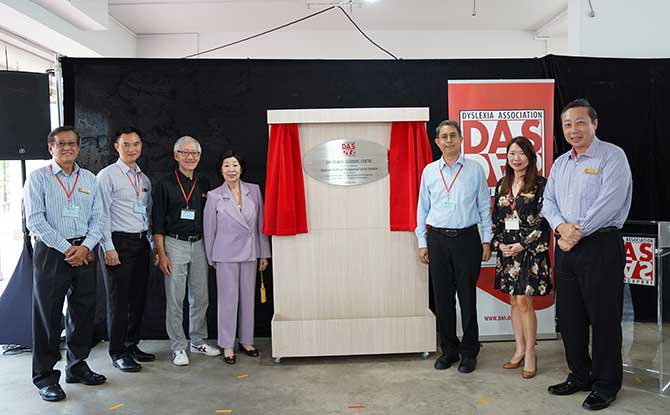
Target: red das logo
[[487, 132], [349, 148], [639, 260]]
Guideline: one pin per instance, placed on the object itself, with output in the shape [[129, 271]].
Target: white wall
[[620, 28], [17, 59], [349, 45], [558, 46], [31, 21]]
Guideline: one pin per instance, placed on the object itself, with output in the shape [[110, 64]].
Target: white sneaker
[[205, 349], [180, 358]]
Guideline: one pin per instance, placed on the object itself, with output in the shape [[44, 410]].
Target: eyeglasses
[[194, 154], [450, 137], [63, 144]]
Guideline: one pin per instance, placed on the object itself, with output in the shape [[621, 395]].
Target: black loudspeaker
[[16, 302], [24, 115]]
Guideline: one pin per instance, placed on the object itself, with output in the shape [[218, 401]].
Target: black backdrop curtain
[[223, 104]]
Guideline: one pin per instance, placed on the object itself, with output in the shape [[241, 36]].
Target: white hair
[[186, 139]]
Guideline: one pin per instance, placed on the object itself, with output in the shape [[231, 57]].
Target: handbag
[[263, 295]]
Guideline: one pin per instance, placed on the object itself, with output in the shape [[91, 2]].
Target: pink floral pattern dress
[[529, 272]]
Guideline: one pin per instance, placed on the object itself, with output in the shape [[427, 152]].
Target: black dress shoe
[[597, 400], [88, 378], [52, 393], [229, 359], [141, 356], [126, 364], [567, 388], [445, 362], [467, 365], [249, 352]]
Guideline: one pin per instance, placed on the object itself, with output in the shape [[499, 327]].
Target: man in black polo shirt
[[179, 199]]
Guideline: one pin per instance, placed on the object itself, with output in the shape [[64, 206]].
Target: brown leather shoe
[[529, 374], [513, 365]]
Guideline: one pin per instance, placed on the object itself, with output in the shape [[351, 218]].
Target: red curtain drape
[[408, 154], [285, 212]]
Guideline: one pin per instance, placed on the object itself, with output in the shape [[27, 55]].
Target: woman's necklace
[[237, 196], [516, 185]]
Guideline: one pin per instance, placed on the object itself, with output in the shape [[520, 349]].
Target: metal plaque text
[[347, 162]]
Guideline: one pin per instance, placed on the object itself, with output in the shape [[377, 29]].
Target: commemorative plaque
[[347, 162]]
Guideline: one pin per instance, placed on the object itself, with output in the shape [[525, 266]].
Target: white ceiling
[[202, 16]]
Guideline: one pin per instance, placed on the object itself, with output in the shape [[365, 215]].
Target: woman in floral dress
[[521, 240]]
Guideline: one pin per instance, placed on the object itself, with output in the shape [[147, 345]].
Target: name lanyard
[[186, 198], [68, 194], [138, 187], [513, 223], [513, 198], [451, 185]]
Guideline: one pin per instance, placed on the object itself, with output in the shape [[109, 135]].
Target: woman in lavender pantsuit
[[234, 241]]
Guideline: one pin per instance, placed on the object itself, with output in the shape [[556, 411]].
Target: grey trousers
[[236, 285], [189, 266]]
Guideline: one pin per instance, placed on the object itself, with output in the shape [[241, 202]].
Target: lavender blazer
[[232, 235]]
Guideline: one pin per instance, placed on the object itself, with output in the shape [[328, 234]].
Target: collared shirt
[[168, 202], [46, 202], [593, 190], [121, 205], [469, 194]]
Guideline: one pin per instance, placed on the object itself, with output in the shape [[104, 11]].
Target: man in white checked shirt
[[64, 214]]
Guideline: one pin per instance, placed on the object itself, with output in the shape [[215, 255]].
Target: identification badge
[[188, 214], [71, 212], [512, 224], [590, 171], [140, 208], [450, 203]]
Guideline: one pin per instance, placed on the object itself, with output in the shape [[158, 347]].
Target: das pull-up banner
[[491, 113]]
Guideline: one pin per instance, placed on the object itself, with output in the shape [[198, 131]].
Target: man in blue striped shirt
[[453, 199], [586, 201], [64, 213]]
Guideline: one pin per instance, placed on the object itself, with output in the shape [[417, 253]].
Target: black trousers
[[54, 279], [126, 286], [589, 284], [455, 262]]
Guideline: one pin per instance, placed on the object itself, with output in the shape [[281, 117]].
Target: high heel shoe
[[229, 359], [249, 352], [529, 374], [513, 365]]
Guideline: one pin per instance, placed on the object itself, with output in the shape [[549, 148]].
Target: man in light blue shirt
[[453, 199], [126, 197], [586, 202], [64, 213]]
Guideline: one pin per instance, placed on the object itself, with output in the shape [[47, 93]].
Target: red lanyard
[[186, 198], [513, 198], [74, 185], [137, 188], [452, 180]]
